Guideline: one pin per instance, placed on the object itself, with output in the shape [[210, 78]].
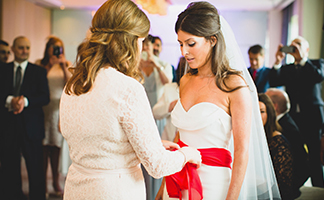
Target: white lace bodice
[[112, 127]]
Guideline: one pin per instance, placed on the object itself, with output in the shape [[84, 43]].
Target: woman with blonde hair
[[105, 114]]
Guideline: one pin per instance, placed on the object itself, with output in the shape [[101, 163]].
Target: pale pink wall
[[20, 17], [274, 34]]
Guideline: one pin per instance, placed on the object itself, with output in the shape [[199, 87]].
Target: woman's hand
[[192, 155], [62, 60], [53, 60], [172, 104], [170, 145]]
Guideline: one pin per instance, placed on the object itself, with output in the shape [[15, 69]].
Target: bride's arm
[[241, 111]]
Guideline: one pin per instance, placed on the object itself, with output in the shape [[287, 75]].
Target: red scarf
[[188, 178]]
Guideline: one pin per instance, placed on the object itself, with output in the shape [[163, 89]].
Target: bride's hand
[[170, 145], [192, 155]]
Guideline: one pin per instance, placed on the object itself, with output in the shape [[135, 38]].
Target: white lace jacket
[[112, 127]]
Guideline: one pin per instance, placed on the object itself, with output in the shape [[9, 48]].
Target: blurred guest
[[157, 48], [302, 80], [156, 74], [280, 152], [258, 71], [164, 106], [24, 91], [57, 74], [290, 130], [4, 51]]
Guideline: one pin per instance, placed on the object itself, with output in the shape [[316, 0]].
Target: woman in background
[[57, 74], [105, 115], [164, 106], [156, 74], [279, 147]]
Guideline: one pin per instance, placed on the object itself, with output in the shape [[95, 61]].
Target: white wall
[[249, 28], [71, 26], [274, 34], [22, 18], [312, 23]]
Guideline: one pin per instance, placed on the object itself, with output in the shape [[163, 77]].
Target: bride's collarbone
[[191, 96]]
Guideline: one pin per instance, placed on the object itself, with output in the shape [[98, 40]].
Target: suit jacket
[[303, 84], [34, 87], [262, 79]]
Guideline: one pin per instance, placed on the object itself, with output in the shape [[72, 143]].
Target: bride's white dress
[[205, 125]]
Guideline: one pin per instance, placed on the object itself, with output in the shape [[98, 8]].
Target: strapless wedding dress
[[205, 125]]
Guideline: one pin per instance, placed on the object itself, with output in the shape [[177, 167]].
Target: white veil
[[260, 180]]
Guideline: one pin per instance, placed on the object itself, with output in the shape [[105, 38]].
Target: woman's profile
[[218, 114], [105, 115]]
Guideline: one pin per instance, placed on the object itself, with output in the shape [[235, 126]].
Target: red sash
[[188, 178]]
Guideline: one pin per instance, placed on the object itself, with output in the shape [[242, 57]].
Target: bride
[[218, 114]]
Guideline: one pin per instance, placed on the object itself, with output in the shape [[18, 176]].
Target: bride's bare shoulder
[[234, 81], [184, 79]]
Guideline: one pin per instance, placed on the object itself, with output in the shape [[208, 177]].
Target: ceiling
[[249, 5]]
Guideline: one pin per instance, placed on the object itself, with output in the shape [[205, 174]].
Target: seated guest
[[290, 130], [280, 152]]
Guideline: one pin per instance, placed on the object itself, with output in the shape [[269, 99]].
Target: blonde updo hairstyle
[[116, 27], [202, 19]]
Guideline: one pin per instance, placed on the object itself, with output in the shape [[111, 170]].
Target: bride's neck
[[207, 73]]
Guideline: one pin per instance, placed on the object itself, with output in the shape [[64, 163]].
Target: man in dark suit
[[258, 72], [303, 84], [290, 130], [23, 93]]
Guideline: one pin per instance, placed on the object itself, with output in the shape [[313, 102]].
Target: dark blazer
[[35, 88], [23, 133], [262, 79], [303, 84]]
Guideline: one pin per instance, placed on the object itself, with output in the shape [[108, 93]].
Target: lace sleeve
[[138, 124]]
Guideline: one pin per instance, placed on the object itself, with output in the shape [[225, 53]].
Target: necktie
[[254, 74], [17, 81]]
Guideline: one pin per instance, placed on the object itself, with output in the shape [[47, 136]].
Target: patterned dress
[[282, 162]]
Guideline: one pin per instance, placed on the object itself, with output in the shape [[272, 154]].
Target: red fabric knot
[[188, 178]]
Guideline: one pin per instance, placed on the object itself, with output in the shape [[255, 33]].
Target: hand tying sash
[[188, 178]]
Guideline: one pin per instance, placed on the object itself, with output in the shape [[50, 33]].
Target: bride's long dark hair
[[202, 19]]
